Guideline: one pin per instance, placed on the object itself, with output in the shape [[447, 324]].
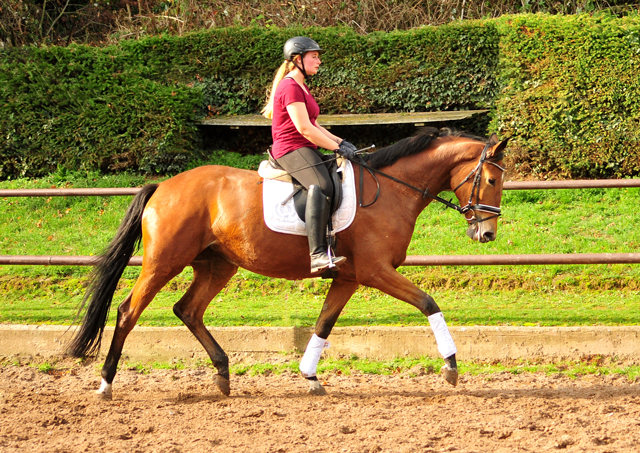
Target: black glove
[[347, 150]]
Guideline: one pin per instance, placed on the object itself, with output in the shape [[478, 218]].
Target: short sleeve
[[292, 93]]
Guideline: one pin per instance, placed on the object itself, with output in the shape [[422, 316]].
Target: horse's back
[[209, 205], [195, 186], [220, 209], [209, 175]]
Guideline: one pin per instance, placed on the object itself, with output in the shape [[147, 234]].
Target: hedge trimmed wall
[[450, 67], [571, 95], [564, 87], [89, 108]]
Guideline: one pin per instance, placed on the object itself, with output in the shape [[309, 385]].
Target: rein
[[425, 193]]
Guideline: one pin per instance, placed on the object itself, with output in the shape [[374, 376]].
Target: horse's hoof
[[450, 374], [105, 392], [316, 389], [105, 395], [223, 384]]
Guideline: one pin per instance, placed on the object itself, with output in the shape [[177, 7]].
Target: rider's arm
[[300, 117], [335, 138]]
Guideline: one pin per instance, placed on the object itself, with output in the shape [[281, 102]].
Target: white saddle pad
[[284, 219]]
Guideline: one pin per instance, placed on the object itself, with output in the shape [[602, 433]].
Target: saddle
[[284, 202], [280, 214], [270, 169]]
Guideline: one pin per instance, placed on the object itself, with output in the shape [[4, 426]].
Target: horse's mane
[[413, 145]]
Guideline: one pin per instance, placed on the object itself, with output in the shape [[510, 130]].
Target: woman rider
[[296, 138]]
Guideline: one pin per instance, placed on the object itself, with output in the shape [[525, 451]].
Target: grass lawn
[[407, 366], [560, 221], [283, 303]]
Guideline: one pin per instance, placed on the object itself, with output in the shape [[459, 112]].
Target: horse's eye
[[492, 181]]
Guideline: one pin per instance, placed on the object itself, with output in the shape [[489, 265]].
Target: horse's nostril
[[489, 236]]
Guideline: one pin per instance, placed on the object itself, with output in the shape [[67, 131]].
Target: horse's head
[[477, 184]]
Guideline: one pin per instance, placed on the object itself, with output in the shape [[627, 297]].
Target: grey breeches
[[307, 167]]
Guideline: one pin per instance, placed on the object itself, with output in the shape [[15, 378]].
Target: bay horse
[[210, 218]]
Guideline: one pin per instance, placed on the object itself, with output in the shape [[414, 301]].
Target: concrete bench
[[363, 119]]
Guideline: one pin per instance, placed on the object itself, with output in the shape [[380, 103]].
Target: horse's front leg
[[339, 294], [396, 285]]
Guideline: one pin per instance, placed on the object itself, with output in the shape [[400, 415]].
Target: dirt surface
[[182, 411]]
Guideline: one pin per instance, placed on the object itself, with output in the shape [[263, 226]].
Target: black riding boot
[[316, 219]]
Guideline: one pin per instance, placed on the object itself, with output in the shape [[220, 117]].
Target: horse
[[210, 218]]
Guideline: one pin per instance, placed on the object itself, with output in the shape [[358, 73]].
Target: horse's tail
[[107, 272]]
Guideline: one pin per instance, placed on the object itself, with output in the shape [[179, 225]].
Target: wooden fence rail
[[415, 260], [418, 260], [509, 185]]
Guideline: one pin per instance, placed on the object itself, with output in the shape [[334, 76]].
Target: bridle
[[475, 189], [469, 207]]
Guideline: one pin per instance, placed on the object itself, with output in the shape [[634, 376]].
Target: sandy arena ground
[[182, 411]]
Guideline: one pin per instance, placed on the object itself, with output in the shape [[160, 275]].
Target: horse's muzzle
[[477, 233]]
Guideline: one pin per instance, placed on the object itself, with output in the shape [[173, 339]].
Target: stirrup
[[323, 262]]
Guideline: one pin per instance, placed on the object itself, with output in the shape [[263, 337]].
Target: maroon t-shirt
[[286, 137]]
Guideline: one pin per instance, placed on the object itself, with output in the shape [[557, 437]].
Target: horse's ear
[[493, 139], [499, 148]]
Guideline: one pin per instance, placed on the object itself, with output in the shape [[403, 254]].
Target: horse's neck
[[429, 170]]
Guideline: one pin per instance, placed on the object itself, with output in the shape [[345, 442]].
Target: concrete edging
[[376, 342]]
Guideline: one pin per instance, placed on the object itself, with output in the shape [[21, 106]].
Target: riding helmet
[[299, 45]]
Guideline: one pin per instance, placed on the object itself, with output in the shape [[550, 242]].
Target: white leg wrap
[[446, 346], [311, 357], [105, 390]]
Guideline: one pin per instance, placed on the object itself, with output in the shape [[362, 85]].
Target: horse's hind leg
[[210, 276], [147, 286], [339, 294]]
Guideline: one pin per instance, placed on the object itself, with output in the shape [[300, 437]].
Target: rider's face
[[311, 62]]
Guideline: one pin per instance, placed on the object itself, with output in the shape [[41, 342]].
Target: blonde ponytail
[[284, 69]]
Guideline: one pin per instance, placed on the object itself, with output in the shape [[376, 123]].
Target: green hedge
[[449, 67], [89, 108], [564, 87], [571, 95], [133, 106]]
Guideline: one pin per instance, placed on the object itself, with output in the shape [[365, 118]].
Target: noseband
[[475, 189], [469, 207]]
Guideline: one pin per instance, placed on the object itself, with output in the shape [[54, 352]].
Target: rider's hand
[[347, 150]]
